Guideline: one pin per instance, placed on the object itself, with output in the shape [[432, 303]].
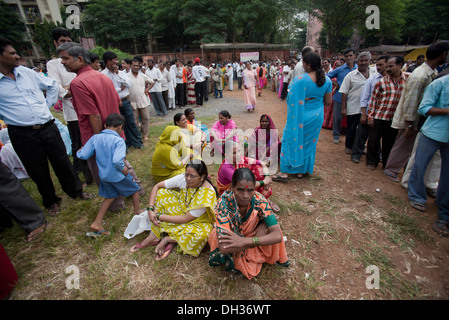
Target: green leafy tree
[[99, 50], [205, 19], [12, 26], [426, 21], [113, 21], [42, 36]]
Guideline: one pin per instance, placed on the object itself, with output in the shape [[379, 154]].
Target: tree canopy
[[181, 23]]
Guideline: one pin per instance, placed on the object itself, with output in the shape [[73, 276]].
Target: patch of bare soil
[[346, 232]]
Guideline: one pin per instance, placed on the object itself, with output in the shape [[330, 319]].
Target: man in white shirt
[[122, 84], [240, 68], [326, 64], [172, 85], [200, 85], [59, 73], [164, 82], [299, 69], [181, 85], [156, 91], [230, 75], [286, 73], [351, 90], [140, 85]]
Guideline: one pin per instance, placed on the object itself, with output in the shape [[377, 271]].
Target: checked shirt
[[385, 98]]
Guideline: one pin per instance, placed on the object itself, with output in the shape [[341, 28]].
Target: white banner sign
[[248, 56]]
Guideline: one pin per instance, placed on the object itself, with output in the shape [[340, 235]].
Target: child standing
[[110, 150]]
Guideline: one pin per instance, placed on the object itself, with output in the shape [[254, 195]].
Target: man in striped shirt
[[382, 105]]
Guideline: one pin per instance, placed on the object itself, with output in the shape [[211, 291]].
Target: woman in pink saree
[[249, 77], [223, 130]]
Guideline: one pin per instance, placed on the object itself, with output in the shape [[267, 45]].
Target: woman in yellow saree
[[170, 155], [194, 137], [185, 217]]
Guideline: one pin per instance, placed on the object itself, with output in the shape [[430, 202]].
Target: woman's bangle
[[256, 242], [150, 208], [261, 183], [158, 215]]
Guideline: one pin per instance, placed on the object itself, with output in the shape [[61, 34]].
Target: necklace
[[185, 200]]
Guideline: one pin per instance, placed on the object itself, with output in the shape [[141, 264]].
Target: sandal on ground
[[392, 177], [300, 176], [53, 210], [36, 233], [371, 166], [97, 234], [418, 206], [86, 196], [168, 249], [138, 246], [441, 227], [280, 178]]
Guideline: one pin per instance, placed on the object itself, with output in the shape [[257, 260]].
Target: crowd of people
[[393, 116]]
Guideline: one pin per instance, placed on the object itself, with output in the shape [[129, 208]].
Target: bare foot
[[36, 233]]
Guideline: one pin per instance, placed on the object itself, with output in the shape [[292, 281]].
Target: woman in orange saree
[[246, 233]]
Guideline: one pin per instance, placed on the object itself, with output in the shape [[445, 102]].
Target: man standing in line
[[122, 84], [138, 91], [230, 74], [172, 85], [32, 131], [362, 131], [94, 97], [326, 63], [200, 84], [156, 91], [351, 90], [434, 136], [181, 84], [406, 116], [299, 69], [57, 71], [382, 105], [419, 61], [340, 73], [286, 72], [164, 82]]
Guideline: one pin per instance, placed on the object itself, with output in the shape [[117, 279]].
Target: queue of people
[[187, 210]]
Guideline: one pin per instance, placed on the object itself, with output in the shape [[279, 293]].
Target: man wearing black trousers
[[17, 204], [34, 136]]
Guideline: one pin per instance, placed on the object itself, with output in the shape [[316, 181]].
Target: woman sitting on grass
[[194, 138], [235, 160], [183, 217], [223, 130], [246, 233], [190, 115], [170, 155]]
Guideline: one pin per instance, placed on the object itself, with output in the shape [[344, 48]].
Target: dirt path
[[346, 225]]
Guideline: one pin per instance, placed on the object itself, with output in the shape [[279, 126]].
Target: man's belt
[[125, 98], [42, 126]]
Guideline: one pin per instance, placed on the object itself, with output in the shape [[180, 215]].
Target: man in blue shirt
[[435, 136], [340, 73], [34, 136], [110, 151]]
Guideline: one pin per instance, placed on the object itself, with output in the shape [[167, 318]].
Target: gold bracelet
[[256, 242]]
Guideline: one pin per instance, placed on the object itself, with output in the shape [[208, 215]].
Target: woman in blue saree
[[308, 93]]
